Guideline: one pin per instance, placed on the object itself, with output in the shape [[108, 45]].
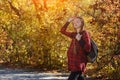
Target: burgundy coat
[[77, 59]]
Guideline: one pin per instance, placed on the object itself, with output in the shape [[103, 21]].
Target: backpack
[[92, 55]]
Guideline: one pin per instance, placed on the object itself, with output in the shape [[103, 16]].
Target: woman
[[77, 58]]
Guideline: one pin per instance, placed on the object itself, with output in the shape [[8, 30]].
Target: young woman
[[77, 58]]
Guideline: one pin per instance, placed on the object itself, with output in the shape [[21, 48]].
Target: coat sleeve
[[87, 46], [64, 28]]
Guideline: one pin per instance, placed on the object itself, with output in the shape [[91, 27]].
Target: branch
[[45, 4], [105, 64], [86, 12], [103, 56], [37, 5], [14, 9]]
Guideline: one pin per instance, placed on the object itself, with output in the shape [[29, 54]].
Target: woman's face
[[77, 23]]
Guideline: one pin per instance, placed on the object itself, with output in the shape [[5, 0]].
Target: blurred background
[[30, 37]]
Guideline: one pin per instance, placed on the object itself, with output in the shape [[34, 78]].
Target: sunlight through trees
[[29, 33]]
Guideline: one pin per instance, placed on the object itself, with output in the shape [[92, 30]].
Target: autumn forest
[[30, 33]]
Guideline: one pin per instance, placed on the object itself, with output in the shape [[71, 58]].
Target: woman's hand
[[78, 37], [71, 19]]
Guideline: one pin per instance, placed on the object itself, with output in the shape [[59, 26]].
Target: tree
[[27, 39]]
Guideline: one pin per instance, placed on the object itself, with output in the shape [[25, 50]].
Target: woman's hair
[[82, 22]]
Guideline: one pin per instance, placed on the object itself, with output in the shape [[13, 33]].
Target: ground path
[[18, 74]]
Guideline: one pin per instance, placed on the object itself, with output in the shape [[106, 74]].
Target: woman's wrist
[[70, 19]]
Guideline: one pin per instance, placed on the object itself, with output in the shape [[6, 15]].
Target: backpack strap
[[82, 43]]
